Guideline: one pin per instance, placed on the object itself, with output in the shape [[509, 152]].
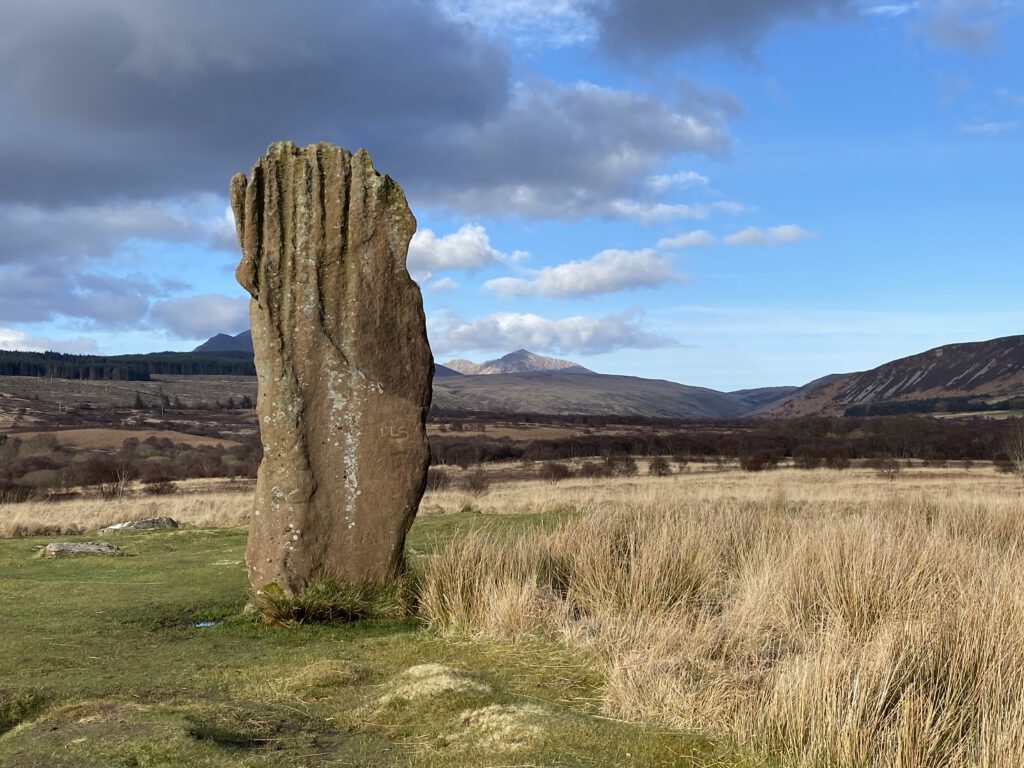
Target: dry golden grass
[[216, 509], [832, 618]]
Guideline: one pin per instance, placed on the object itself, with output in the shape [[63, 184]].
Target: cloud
[[18, 340], [44, 290], [442, 285], [569, 335], [786, 233], [50, 259], [968, 25], [568, 151], [890, 11], [469, 248], [693, 239], [656, 28], [679, 180], [200, 317], [98, 231], [111, 99], [649, 213], [116, 98], [992, 128], [607, 272]]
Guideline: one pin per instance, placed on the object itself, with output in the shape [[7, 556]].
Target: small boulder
[[150, 524], [72, 548]]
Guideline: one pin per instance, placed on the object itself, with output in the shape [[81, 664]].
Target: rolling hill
[[558, 392], [954, 377]]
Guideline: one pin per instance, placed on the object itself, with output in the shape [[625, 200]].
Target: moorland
[[582, 589]]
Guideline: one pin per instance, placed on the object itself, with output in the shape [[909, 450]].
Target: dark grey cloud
[[124, 121], [169, 97], [645, 28], [41, 291], [573, 150], [98, 231]]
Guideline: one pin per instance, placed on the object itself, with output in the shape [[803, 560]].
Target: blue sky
[[730, 195]]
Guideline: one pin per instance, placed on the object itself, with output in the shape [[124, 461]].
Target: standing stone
[[343, 364]]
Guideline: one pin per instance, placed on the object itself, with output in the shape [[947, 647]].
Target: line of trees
[[810, 442], [125, 367]]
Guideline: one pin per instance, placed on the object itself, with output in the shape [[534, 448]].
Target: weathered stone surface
[[69, 548], [343, 363], [150, 524]]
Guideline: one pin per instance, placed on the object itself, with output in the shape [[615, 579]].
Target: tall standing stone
[[343, 364]]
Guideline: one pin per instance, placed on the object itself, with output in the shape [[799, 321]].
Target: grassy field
[[708, 618]]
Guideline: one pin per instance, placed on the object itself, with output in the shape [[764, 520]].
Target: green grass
[[102, 664]]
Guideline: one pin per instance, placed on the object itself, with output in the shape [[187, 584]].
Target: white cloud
[[199, 317], [786, 233], [607, 272], [693, 239], [680, 180], [509, 330], [989, 128], [18, 340], [441, 285], [649, 213], [891, 11], [469, 248]]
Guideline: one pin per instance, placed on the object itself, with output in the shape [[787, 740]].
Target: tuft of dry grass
[[829, 618]]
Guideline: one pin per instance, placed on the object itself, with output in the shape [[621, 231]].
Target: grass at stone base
[[102, 664]]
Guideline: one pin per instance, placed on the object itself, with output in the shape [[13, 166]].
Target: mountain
[[224, 343], [520, 361], [441, 371], [583, 392], [763, 397], [973, 376]]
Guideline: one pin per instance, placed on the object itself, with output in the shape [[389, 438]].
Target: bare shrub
[[554, 471], [439, 479], [885, 466], [159, 487], [659, 467], [622, 466], [475, 482], [594, 469]]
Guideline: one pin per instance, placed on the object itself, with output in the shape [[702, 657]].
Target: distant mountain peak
[[223, 342], [520, 361]]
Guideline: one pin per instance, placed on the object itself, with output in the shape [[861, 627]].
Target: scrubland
[[810, 618]]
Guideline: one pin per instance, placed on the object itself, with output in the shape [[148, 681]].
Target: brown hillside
[[988, 370]]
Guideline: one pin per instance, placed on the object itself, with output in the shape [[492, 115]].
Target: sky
[[732, 194]]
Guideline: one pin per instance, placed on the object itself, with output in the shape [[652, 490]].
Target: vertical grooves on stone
[[344, 366]]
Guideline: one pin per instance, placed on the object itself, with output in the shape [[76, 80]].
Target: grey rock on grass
[[75, 548], [150, 524]]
